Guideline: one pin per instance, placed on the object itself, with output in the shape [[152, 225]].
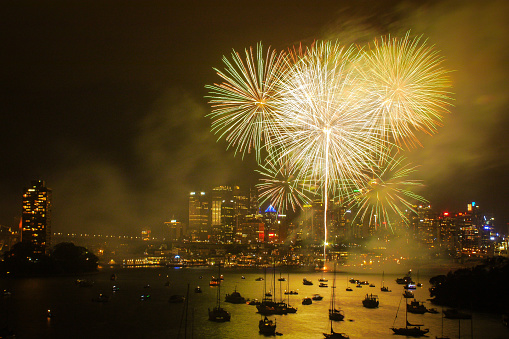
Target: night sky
[[104, 100]]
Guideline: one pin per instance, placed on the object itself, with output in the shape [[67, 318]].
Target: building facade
[[36, 216]]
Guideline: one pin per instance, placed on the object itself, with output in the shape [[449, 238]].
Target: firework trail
[[406, 86], [243, 104]]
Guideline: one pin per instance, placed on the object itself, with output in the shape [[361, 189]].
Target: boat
[[267, 306], [197, 289], [316, 296], [411, 330], [354, 281], [334, 313], [115, 288], [322, 284], [291, 292], [370, 301], [407, 279], [215, 281], [243, 277], [454, 313], [408, 294], [416, 307], [267, 326], [217, 313], [307, 301], [365, 282], [432, 310], [348, 288], [384, 288], [289, 308], [410, 287], [371, 285], [254, 302], [307, 282], [101, 298], [145, 296], [358, 286], [281, 278], [335, 335], [235, 298], [176, 299], [259, 279]]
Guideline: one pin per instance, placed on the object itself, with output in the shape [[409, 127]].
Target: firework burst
[[388, 192], [407, 87], [279, 186], [243, 104]]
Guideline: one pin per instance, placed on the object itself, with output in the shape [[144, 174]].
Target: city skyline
[[106, 103]]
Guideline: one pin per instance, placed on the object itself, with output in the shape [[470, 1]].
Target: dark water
[[126, 316]]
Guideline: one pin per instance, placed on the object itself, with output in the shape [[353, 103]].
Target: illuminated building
[[145, 234], [36, 216], [174, 230], [199, 216]]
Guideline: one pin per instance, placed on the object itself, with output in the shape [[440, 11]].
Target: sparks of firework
[[387, 193], [407, 87], [280, 187], [243, 104], [323, 128]]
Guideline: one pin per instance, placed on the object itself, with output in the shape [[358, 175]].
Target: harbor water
[[74, 314]]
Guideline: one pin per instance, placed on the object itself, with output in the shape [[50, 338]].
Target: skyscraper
[[36, 216], [199, 216]]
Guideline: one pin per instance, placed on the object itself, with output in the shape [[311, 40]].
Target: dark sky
[[105, 99]]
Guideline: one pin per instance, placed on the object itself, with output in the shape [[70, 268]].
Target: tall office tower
[[174, 230], [199, 216], [271, 221], [242, 205], [447, 232], [36, 216], [427, 226], [222, 212]]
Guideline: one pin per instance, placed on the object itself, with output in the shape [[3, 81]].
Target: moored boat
[[411, 330], [307, 301], [235, 298], [370, 301], [267, 326], [219, 314], [416, 307], [307, 282]]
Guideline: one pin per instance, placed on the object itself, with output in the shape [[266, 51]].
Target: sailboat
[[219, 314], [335, 314], [384, 288], [413, 330], [348, 288]]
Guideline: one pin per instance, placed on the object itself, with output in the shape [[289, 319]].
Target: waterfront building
[[36, 216], [199, 216], [173, 230]]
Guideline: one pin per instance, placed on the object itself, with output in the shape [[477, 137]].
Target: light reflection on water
[[126, 316]]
